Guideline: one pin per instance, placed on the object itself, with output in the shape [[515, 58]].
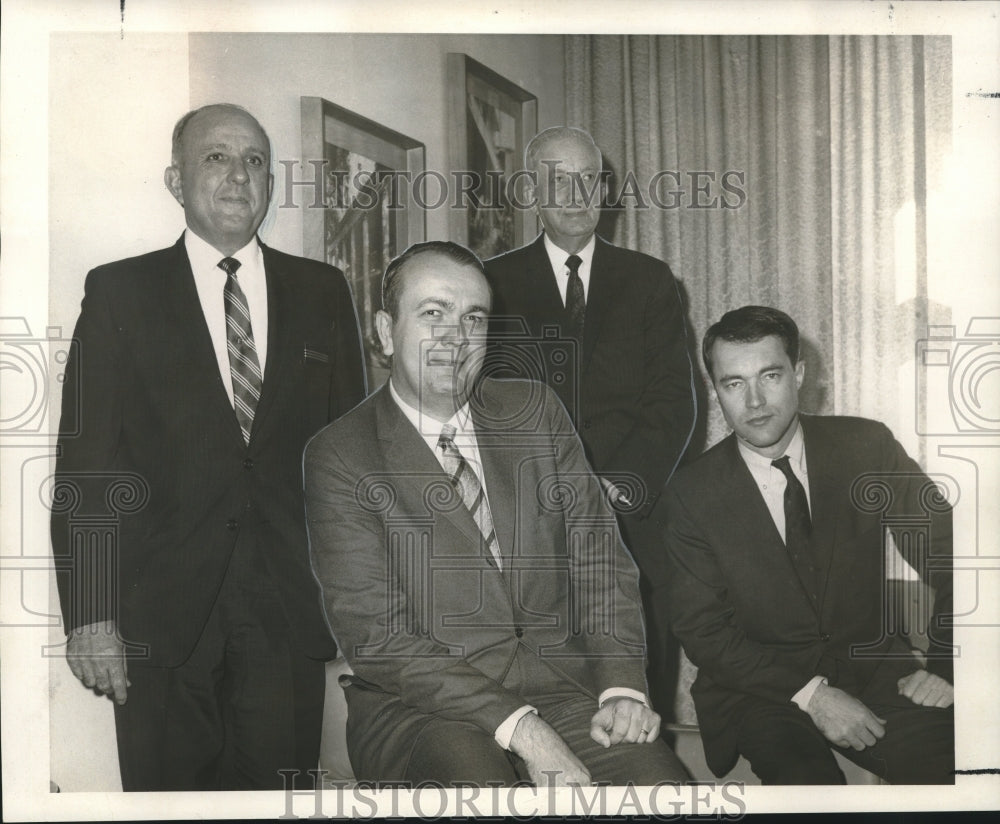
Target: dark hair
[[749, 324], [391, 284], [177, 138]]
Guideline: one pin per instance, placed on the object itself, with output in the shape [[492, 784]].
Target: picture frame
[[491, 119], [364, 214]]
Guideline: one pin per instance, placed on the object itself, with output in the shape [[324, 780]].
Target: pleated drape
[[830, 137]]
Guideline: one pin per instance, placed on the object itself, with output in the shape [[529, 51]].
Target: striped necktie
[[466, 483], [243, 364]]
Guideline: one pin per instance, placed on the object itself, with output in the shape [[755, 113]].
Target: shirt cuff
[[505, 731], [621, 692], [803, 695]]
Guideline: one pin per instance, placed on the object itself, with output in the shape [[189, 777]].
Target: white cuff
[[621, 692], [506, 729], [803, 695]]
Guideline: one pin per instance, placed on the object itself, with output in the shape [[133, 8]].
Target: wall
[[113, 103], [396, 80]]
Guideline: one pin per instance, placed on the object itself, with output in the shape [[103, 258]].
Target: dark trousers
[[783, 745], [449, 752], [244, 705]]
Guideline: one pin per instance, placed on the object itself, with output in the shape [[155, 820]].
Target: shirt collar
[[429, 427], [795, 451], [205, 257], [557, 256]]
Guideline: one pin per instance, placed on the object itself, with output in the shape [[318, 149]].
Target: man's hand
[[843, 719], [624, 719], [549, 760], [927, 689], [97, 658]]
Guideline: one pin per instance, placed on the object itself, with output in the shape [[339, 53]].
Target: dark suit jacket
[[144, 384], [631, 395], [428, 624], [737, 605]]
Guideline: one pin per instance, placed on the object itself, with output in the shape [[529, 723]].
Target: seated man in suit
[[777, 578], [626, 377], [473, 574]]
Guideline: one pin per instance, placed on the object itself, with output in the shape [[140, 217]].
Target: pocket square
[[313, 354]]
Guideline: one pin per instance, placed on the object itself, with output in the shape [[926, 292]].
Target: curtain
[[832, 138], [832, 141]]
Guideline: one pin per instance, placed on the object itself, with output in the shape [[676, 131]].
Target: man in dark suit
[[472, 571], [607, 332], [200, 372], [777, 585]]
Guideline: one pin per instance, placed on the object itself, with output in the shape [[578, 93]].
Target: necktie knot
[[797, 518], [573, 263], [229, 265], [447, 437], [784, 463]]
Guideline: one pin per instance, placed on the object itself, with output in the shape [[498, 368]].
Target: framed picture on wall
[[364, 214], [490, 121]]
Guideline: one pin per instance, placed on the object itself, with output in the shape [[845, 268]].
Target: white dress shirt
[[557, 257], [466, 443], [210, 281], [771, 482]]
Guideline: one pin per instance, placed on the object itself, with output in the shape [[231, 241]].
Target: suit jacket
[[631, 394], [150, 440], [428, 623], [742, 613]]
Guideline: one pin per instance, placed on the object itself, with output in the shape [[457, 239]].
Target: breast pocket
[[317, 373]]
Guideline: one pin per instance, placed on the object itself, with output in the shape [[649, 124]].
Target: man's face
[[222, 177], [437, 340], [758, 388], [569, 191]]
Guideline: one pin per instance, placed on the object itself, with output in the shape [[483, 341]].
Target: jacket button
[[232, 524], [519, 632], [248, 463], [824, 637], [586, 424]]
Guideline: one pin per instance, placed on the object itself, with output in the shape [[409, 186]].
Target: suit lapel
[[280, 323], [418, 469], [541, 283], [825, 490], [739, 486], [605, 285], [190, 342], [499, 472]]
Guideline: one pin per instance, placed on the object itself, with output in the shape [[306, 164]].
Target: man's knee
[[783, 746], [449, 752]]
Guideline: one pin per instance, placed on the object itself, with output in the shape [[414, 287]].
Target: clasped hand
[[624, 719]]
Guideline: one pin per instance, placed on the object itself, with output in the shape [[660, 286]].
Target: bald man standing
[[201, 371]]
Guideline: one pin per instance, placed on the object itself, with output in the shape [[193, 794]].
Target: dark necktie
[[243, 364], [576, 305], [464, 479], [798, 525]]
